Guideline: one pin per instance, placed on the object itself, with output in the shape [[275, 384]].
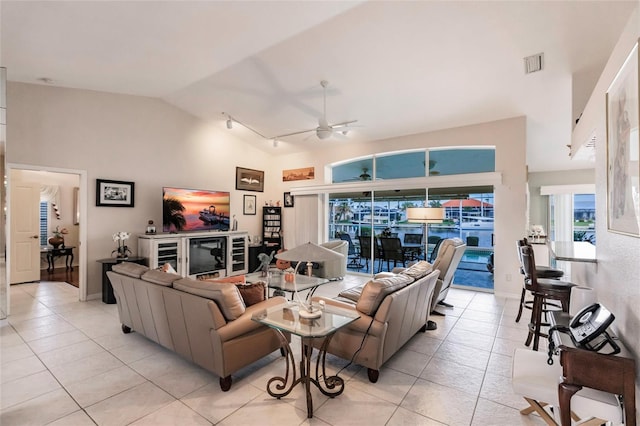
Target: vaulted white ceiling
[[397, 67]]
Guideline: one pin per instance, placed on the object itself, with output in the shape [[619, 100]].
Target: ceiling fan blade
[[343, 124]]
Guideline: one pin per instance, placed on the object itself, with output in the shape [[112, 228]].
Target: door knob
[[35, 237]]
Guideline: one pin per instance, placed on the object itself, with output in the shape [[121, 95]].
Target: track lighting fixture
[[231, 120]]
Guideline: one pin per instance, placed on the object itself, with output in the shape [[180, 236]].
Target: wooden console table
[[580, 367], [52, 253]]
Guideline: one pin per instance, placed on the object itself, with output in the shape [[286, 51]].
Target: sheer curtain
[[562, 223], [51, 194]]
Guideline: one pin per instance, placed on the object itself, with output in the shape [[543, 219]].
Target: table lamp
[[307, 253], [425, 215]]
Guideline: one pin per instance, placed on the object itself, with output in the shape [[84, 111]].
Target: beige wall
[[539, 204], [617, 276], [153, 144], [142, 140], [508, 136]]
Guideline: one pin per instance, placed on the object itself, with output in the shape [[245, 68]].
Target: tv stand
[[194, 254]]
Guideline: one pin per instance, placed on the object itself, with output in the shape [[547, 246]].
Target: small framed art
[[249, 205], [114, 193], [288, 199], [249, 180]]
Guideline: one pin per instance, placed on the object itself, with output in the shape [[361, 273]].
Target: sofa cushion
[[352, 293], [159, 277], [130, 269], [418, 270], [227, 296], [376, 290]]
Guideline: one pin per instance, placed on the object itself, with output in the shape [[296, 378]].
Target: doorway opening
[[55, 207]]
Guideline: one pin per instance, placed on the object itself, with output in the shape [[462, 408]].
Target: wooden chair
[[542, 290], [541, 272]]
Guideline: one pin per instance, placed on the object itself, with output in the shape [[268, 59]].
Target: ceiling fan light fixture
[[323, 133]]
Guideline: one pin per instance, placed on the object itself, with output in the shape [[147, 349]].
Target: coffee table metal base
[[281, 386]]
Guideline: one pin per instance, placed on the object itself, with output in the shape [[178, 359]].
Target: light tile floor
[[65, 362]]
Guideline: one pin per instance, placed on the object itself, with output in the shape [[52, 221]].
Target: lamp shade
[[425, 214], [308, 252]]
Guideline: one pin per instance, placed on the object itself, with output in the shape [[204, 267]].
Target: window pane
[[398, 166], [584, 217], [44, 223], [461, 161], [359, 170]]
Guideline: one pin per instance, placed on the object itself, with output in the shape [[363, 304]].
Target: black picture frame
[[288, 199], [115, 193], [249, 180], [249, 205]]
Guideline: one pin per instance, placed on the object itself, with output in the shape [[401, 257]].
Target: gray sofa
[[205, 322], [392, 309]]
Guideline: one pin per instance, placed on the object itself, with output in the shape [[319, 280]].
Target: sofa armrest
[[362, 324], [244, 324]]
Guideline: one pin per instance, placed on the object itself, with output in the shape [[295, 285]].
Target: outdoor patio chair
[[392, 251], [352, 255], [365, 253]]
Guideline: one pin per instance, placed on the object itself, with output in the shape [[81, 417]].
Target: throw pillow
[[375, 291], [168, 268], [252, 293], [235, 279]]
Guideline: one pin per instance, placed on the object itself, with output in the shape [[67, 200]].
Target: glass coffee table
[[284, 318], [275, 280]]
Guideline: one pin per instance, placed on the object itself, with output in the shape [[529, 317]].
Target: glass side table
[[284, 318]]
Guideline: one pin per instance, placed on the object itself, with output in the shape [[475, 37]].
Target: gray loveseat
[[206, 323]]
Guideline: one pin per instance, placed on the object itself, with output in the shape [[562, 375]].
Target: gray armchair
[[449, 256]]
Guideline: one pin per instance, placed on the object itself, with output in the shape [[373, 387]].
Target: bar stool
[[542, 290], [541, 272]]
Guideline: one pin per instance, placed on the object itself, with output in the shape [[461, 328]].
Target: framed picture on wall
[[114, 193], [249, 179], [623, 147], [288, 199], [249, 205]]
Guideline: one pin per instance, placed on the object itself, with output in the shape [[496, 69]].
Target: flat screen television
[[194, 210]]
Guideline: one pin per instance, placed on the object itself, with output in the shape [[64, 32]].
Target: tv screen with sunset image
[[194, 210]]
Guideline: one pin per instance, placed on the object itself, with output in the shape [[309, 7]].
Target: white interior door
[[25, 232]]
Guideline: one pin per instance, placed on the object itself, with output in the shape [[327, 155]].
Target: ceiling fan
[[324, 129]]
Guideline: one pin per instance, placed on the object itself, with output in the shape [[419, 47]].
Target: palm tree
[[172, 210], [343, 210]]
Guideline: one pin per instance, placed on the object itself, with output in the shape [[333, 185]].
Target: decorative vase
[[56, 241]]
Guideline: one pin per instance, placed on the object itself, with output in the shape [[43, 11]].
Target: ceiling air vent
[[533, 63]]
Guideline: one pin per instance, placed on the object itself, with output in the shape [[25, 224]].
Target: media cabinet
[[193, 254]]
